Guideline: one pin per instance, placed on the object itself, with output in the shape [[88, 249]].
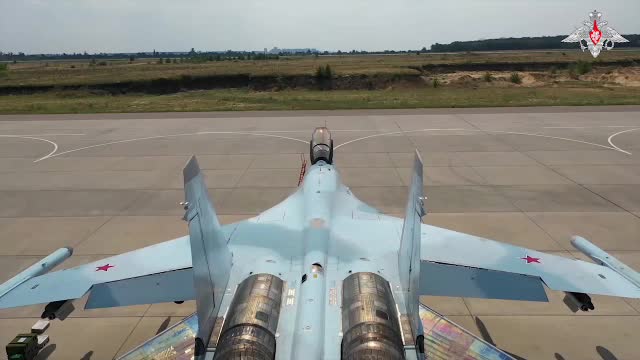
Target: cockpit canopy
[[321, 146]]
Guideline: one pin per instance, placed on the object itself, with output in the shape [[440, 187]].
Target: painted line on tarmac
[[55, 146], [46, 134], [589, 127], [310, 131], [485, 131], [54, 154], [610, 140], [392, 133]]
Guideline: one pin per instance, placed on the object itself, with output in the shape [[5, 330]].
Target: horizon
[[318, 51]]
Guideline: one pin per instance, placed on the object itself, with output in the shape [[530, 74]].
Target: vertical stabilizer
[[409, 253], [210, 255]]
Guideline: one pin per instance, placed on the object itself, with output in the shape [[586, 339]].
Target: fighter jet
[[321, 275]]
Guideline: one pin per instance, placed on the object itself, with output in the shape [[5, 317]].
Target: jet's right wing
[[483, 263]]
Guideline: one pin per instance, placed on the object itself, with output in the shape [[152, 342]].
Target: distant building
[[277, 51]]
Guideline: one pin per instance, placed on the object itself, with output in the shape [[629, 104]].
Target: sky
[[56, 26]]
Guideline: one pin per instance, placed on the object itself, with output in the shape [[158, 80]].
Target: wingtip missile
[[41, 267], [603, 258]]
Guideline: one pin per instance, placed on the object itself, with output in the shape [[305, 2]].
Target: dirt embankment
[[472, 75], [609, 76], [258, 83]]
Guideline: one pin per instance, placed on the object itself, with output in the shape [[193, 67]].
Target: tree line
[[192, 56], [523, 43]]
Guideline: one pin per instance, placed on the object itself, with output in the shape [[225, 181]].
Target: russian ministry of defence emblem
[[595, 34]]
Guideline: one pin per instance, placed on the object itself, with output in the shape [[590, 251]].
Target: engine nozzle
[[249, 330], [369, 319]]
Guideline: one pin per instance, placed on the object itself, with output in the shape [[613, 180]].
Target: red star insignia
[[530, 259], [104, 267]]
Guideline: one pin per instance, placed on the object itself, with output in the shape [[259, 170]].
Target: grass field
[[611, 85], [82, 73], [236, 100]]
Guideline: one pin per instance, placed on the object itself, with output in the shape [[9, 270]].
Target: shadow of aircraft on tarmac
[[486, 336], [605, 353], [164, 325], [46, 352]]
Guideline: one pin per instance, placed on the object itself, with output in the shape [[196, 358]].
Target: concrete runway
[[105, 184]]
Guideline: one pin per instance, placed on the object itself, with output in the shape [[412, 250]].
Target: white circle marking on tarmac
[[54, 154], [618, 133], [484, 131], [55, 146]]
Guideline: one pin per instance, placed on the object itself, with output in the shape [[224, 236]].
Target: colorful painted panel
[[443, 340], [446, 340], [175, 343]]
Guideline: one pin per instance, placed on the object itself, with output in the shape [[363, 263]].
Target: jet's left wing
[[143, 275], [493, 267], [187, 268], [164, 272]]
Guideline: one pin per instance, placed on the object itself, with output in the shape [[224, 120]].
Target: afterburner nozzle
[[321, 146]]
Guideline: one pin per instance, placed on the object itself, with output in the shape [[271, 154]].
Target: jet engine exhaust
[[321, 146], [250, 326], [369, 319]]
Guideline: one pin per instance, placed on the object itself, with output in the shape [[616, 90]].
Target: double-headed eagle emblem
[[594, 34]]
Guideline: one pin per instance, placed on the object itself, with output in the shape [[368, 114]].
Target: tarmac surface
[[105, 184]]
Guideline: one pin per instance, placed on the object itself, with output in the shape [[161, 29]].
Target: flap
[[461, 281], [163, 287]]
